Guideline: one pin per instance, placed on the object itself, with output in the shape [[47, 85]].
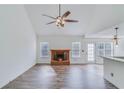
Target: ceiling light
[[115, 38]]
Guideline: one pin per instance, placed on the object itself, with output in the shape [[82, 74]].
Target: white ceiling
[[108, 33], [92, 18]]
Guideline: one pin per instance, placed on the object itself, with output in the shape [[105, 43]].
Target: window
[[104, 49], [100, 49], [76, 46], [44, 49], [91, 52], [108, 49]]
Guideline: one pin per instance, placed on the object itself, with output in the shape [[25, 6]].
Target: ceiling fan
[[60, 20]]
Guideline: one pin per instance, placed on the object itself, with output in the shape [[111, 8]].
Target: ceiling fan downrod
[[59, 9]]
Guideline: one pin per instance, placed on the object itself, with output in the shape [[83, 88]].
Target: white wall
[[57, 42], [17, 42]]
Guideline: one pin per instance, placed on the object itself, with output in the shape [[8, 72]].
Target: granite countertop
[[118, 59]]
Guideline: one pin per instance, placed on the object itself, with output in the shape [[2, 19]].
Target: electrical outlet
[[112, 74]]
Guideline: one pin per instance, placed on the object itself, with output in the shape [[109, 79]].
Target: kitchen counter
[[114, 70], [117, 59]]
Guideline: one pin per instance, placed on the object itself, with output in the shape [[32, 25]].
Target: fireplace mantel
[[60, 57]]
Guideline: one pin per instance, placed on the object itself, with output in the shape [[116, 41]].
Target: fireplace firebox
[[60, 57]]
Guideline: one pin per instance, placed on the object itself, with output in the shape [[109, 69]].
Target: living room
[[61, 46]]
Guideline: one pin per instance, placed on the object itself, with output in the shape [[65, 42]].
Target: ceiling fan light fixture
[[61, 19]]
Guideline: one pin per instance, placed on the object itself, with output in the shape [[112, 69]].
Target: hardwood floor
[[61, 77]]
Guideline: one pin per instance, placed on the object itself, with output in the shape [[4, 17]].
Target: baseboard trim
[[43, 64], [70, 64]]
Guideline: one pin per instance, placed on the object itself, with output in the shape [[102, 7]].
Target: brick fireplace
[[60, 57]]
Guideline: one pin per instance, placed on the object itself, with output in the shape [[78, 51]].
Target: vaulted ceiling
[[92, 18]]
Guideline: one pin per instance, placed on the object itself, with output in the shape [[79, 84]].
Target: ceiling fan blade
[[50, 22], [49, 16], [68, 20], [66, 14]]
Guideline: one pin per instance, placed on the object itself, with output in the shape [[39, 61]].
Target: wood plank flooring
[[61, 77]]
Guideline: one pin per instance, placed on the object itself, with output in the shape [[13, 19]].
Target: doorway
[[95, 51], [91, 53]]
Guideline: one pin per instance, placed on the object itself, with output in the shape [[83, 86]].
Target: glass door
[[90, 53], [103, 49]]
